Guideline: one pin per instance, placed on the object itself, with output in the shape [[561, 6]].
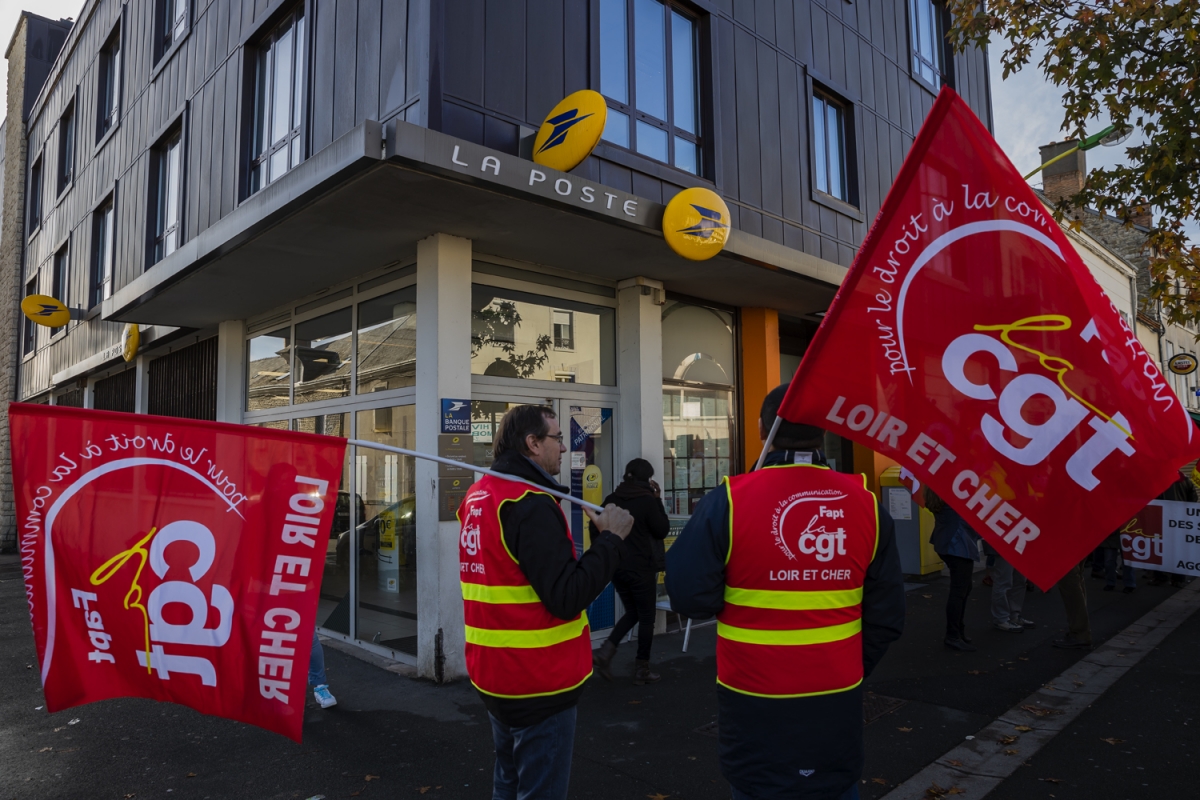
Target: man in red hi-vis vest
[[799, 565], [529, 649]]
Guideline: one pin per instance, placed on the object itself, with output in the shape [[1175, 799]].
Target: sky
[[1027, 108]]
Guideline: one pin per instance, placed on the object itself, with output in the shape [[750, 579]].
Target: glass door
[[588, 463]]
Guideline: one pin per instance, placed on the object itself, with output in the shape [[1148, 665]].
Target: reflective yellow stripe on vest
[[832, 633], [499, 594], [543, 637], [793, 601]]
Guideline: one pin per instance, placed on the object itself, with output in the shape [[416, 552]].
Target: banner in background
[[1165, 537], [173, 559], [971, 344]]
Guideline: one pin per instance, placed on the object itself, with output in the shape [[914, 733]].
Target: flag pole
[[767, 444], [484, 470]]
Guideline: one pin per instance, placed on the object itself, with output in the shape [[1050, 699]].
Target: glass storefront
[[699, 402]]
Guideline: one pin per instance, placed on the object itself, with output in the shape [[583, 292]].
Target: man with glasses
[[528, 645]]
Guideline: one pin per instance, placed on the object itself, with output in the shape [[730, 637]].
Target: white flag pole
[[767, 444], [473, 468]]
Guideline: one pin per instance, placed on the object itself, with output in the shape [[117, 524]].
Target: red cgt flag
[[970, 343], [173, 559]]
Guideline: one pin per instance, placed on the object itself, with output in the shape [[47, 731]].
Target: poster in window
[[668, 475], [695, 473], [722, 468], [697, 447], [683, 445], [681, 502], [710, 448], [681, 473], [723, 448], [710, 473], [708, 407]]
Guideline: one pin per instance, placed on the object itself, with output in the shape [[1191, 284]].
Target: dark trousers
[[961, 571], [1074, 596], [534, 762], [636, 590], [1111, 554]]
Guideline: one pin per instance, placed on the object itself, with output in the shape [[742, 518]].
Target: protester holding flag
[[528, 645], [799, 565]]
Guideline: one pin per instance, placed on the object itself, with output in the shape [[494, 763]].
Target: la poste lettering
[[173, 559], [989, 362]]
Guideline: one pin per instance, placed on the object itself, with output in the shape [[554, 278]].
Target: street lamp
[[1110, 136]]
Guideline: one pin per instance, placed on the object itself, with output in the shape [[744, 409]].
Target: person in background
[[799, 565], [958, 546], [1111, 550], [1008, 595], [316, 675], [528, 645], [636, 579], [1073, 589]]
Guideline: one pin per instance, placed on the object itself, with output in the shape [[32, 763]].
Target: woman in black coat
[[642, 558]]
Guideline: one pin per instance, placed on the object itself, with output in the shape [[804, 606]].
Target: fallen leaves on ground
[[45, 750], [423, 789], [657, 796], [1113, 740], [372, 778], [1007, 739], [1051, 780], [954, 762], [904, 730], [635, 702], [880, 781], [1024, 728], [1038, 711], [1022, 658], [927, 596], [191, 775], [1011, 752], [1078, 683], [937, 791]]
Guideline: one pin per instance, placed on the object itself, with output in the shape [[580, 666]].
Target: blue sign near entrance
[[456, 416]]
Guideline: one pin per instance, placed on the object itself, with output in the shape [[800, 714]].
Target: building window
[[829, 148], [278, 102], [108, 101], [61, 289], [102, 254], [564, 331], [649, 72], [167, 196], [29, 339], [66, 148], [172, 23], [35, 195], [928, 31]]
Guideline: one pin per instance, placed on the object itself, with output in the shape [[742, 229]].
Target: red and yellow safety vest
[[801, 538], [515, 647]]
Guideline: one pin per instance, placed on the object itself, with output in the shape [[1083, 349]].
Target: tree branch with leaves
[[1139, 61]]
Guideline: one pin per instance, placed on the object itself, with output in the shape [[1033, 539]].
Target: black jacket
[[767, 744], [642, 550], [535, 533]]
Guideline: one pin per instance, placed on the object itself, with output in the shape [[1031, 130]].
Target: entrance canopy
[[356, 206]]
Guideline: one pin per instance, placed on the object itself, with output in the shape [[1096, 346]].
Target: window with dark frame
[[171, 25], [35, 195], [61, 280], [66, 148], [927, 27], [650, 75], [29, 334], [831, 175], [100, 286], [279, 85], [108, 92], [167, 200], [564, 330]]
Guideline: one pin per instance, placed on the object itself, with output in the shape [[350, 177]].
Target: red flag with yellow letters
[[173, 559], [970, 343]]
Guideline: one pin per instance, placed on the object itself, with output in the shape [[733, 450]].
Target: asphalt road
[[392, 736]]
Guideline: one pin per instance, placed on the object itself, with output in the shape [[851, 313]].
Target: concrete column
[[231, 370], [443, 370], [760, 372], [639, 374]]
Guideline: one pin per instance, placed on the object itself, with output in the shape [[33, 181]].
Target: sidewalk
[[632, 742]]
